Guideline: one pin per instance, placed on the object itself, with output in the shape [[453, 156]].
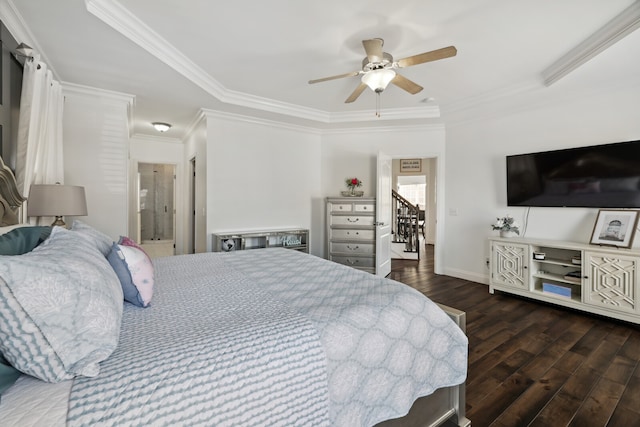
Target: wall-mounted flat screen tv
[[598, 176]]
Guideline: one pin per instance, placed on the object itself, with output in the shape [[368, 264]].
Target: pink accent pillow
[[124, 240], [135, 272]]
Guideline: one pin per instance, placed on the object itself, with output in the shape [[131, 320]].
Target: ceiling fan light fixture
[[379, 79], [161, 127]]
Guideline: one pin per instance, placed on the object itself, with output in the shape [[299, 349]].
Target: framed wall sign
[[410, 165], [614, 228]]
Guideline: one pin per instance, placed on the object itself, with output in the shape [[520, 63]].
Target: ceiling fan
[[378, 69]]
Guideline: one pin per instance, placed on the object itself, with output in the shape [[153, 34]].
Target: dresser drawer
[[341, 207], [353, 248], [355, 261], [352, 220], [359, 207], [339, 234]]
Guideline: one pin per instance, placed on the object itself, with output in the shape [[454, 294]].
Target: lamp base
[[59, 222]]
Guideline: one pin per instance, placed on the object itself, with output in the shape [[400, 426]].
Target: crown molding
[[619, 27], [427, 112], [122, 20], [102, 94], [20, 31], [126, 23], [433, 127], [217, 114], [273, 106], [240, 118]]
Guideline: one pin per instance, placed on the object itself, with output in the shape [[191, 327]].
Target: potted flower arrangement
[[352, 184], [507, 225]]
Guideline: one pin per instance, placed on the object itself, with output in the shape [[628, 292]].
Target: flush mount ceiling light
[[161, 127]]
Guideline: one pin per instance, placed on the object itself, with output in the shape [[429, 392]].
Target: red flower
[[354, 181]]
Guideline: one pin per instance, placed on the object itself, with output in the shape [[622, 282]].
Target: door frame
[[178, 205], [438, 249], [383, 213]]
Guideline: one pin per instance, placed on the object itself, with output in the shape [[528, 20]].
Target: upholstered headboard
[[10, 198]]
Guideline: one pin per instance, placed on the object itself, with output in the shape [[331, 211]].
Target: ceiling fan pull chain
[[378, 104]]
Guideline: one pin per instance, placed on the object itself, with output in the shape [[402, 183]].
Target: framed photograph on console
[[614, 228]]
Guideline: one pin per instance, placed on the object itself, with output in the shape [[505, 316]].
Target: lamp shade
[[56, 200], [378, 79]]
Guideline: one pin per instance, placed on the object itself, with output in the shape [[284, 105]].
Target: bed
[[263, 337]]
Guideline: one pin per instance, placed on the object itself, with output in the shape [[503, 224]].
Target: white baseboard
[[467, 275]]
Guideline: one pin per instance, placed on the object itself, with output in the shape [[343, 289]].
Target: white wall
[[256, 174], [96, 143], [476, 182], [260, 175], [354, 152]]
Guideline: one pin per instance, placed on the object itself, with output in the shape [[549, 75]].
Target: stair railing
[[406, 226]]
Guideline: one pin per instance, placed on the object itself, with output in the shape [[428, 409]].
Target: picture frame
[[614, 227], [410, 165]]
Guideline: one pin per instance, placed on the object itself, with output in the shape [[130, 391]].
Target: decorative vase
[[507, 233]]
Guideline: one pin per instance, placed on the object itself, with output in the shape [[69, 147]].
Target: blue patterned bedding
[[271, 337]]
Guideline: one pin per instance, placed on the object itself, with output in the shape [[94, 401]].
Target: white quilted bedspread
[[363, 349], [211, 350], [386, 343]]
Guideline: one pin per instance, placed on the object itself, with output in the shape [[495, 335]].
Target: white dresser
[[351, 233]]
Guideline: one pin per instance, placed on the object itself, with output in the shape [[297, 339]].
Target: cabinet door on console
[[510, 264], [611, 281]]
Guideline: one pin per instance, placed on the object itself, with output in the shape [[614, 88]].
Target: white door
[[383, 215]]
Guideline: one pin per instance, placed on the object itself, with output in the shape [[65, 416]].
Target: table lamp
[[56, 200]]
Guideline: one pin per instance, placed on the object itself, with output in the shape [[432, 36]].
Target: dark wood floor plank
[[498, 400], [620, 370], [623, 417], [631, 397], [525, 409], [562, 407], [599, 405], [536, 364]]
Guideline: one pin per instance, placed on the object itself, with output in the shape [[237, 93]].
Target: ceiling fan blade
[[356, 93], [434, 55], [339, 76], [406, 84], [373, 47]]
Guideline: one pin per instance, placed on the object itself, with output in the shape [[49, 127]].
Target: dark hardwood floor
[[534, 364]]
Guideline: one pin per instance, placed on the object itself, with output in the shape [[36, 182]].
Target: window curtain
[[39, 146]]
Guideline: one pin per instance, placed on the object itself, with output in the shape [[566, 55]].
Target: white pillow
[[99, 239], [60, 308]]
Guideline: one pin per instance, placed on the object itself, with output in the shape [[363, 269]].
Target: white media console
[[597, 279]]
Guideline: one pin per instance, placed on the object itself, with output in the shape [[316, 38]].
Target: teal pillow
[[22, 240], [8, 375]]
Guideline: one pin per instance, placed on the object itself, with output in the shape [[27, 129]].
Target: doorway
[[156, 208], [432, 170]]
